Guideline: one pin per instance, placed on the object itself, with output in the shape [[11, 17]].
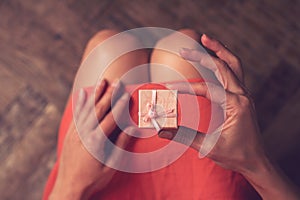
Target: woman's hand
[[239, 146], [80, 175]]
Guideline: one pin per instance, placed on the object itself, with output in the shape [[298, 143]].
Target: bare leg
[[172, 60], [125, 62]]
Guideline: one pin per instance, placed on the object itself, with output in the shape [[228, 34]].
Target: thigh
[[169, 66], [122, 64], [115, 70]]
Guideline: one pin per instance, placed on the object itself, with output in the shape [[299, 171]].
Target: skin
[[75, 158], [250, 159], [98, 175], [231, 151], [174, 61]]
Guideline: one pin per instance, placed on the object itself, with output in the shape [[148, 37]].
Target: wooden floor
[[41, 43]]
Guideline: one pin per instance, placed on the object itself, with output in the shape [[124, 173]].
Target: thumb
[[166, 134], [117, 159], [184, 135], [125, 137]]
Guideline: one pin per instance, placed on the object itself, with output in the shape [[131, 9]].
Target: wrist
[[66, 195], [68, 191], [259, 166]]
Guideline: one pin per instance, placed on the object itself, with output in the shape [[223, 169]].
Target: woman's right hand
[[239, 147]]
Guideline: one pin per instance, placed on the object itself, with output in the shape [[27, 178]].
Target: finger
[[216, 94], [81, 114], [86, 110], [105, 103], [117, 158], [108, 124], [80, 102], [100, 88], [210, 91], [92, 101], [125, 136], [186, 136], [102, 106], [221, 70], [225, 54]]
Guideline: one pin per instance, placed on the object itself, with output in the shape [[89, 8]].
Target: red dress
[[187, 178]]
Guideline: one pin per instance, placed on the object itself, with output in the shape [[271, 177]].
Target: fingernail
[[81, 94], [184, 51], [125, 96], [130, 130], [116, 83], [168, 85], [206, 36], [171, 86], [101, 82], [166, 135], [177, 86]]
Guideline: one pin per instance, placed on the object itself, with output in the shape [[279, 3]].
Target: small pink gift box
[[158, 109]]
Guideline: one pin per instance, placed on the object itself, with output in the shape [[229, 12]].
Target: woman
[[226, 171]]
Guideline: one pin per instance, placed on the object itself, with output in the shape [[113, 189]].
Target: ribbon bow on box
[[152, 114]]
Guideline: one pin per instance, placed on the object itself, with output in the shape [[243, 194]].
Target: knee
[[182, 38], [99, 37], [168, 48], [126, 40], [192, 34]]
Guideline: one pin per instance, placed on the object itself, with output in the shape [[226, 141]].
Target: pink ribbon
[[152, 114]]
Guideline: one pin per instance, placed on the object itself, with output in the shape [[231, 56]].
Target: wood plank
[[282, 136], [275, 92], [10, 87], [17, 118], [30, 158]]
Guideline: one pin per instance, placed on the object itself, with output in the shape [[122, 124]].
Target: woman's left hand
[[80, 174]]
